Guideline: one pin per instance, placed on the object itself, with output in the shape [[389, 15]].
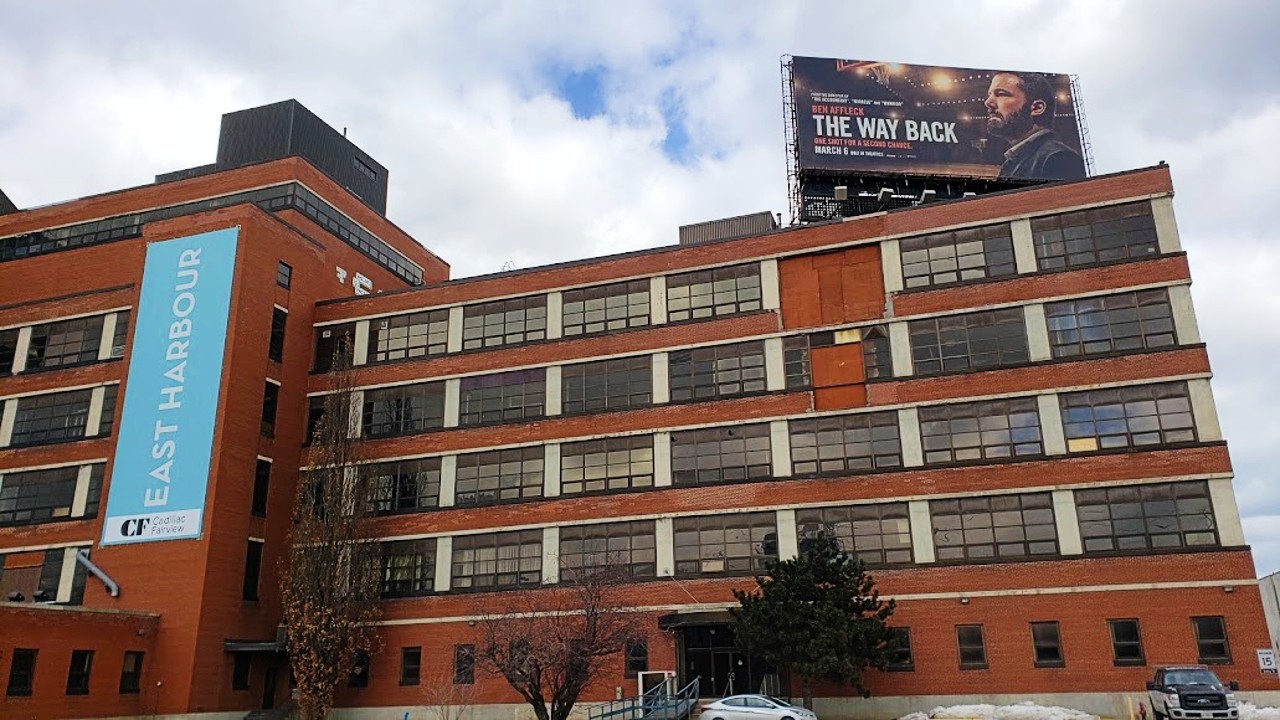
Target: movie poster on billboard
[[877, 117]]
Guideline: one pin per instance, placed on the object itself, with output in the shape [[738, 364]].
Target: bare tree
[[551, 645], [445, 699], [330, 585]]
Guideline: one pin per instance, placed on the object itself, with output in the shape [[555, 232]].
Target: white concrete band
[[780, 448], [1068, 523], [921, 532], [360, 343], [775, 377], [1184, 315], [1024, 247], [770, 296], [788, 543], [891, 265], [555, 315], [1226, 513], [1206, 413], [1166, 225], [900, 349], [453, 342], [909, 437], [1037, 333], [1051, 432]]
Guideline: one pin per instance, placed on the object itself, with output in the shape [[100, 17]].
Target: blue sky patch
[[584, 90]]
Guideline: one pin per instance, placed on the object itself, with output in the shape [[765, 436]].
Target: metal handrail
[[658, 703]]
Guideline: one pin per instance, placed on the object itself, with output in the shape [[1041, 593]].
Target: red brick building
[[1002, 404]]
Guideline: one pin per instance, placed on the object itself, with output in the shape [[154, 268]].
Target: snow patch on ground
[[1022, 711], [1248, 711]]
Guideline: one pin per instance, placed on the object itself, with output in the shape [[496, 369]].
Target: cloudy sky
[[524, 133]]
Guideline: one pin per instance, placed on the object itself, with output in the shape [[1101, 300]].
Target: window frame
[[706, 549], [901, 643], [521, 320], [806, 438], [714, 292], [489, 472], [984, 516], [417, 557], [635, 657], [1046, 644], [1086, 413], [261, 488], [22, 679], [77, 341], [279, 326], [598, 301], [981, 421], [995, 253], [252, 570], [832, 520], [80, 676], [408, 336], [1048, 231], [735, 465], [497, 398], [578, 469], [58, 417], [410, 671], [1201, 657], [639, 536], [392, 478], [716, 372], [270, 408], [131, 678], [241, 671], [398, 410], [1116, 643], [969, 342], [1117, 500], [1134, 321], [622, 383], [464, 664], [527, 544], [284, 275], [980, 646]]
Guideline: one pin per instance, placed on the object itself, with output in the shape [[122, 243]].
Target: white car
[[754, 707]]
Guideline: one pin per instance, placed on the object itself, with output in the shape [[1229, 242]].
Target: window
[[252, 567], [410, 665], [717, 371], [317, 406], [974, 341], [37, 496], [497, 561], [900, 658], [728, 544], [364, 169], [1100, 235], [409, 336], [980, 431], [8, 349], [609, 464], [403, 409], [1130, 416], [261, 483], [973, 650], [958, 256], [1111, 323], [405, 485], [275, 348], [1046, 643], [121, 334], [1146, 517], [66, 342], [131, 672], [78, 673], [497, 475], [1126, 642], [607, 385], [877, 358], [994, 528], [284, 275], [51, 417], [710, 293], [502, 397], [840, 444], [876, 534], [107, 418], [1211, 640], [408, 568], [636, 657], [504, 322], [359, 676], [606, 307], [796, 367], [723, 454], [270, 403], [334, 345], [240, 671], [464, 664], [22, 672], [625, 548]]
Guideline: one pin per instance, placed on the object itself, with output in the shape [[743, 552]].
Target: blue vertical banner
[[165, 438]]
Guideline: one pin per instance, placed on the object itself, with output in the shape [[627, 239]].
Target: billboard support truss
[[1086, 146], [792, 148]]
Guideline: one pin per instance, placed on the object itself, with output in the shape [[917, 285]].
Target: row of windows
[[63, 343], [957, 343], [1209, 633], [272, 199], [585, 311], [1077, 239], [635, 655], [972, 529], [36, 496], [22, 672], [59, 417], [1134, 416]]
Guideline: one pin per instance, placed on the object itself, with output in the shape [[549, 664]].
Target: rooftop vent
[[734, 227]]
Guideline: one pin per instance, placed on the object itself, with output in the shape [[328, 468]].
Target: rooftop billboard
[[876, 117]]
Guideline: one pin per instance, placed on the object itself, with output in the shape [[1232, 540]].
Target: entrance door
[[269, 689], [711, 656]]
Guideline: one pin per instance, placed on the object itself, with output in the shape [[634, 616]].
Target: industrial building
[[1001, 403]]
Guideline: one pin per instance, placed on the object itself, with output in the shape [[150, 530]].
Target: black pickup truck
[[1191, 692]]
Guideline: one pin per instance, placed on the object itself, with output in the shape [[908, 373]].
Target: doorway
[[709, 654], [269, 688]]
